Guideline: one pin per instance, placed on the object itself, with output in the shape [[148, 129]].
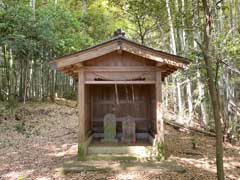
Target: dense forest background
[[33, 32]]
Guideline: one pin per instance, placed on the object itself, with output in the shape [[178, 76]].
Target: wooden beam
[[81, 105], [153, 55], [119, 82], [78, 65], [86, 55], [119, 51], [166, 67], [160, 64], [100, 50], [159, 110], [121, 69]]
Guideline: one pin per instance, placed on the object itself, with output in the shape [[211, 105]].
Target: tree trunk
[[180, 108], [213, 91], [189, 96], [201, 95], [33, 5], [84, 7], [174, 94], [172, 38], [183, 25], [166, 93]]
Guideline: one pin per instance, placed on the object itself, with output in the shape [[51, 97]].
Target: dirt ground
[[39, 147]]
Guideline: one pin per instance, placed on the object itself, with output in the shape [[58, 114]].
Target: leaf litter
[[40, 137]]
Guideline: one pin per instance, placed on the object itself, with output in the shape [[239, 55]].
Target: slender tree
[[172, 37], [213, 89]]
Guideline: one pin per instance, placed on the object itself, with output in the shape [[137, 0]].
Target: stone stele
[[109, 128], [128, 130]]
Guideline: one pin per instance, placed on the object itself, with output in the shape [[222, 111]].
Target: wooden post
[[81, 110], [159, 139]]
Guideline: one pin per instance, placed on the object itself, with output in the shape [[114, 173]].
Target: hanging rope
[[126, 90], [139, 77], [133, 95], [116, 94]]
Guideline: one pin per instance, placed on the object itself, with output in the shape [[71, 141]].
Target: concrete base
[[138, 151], [141, 149], [94, 146], [83, 148], [109, 140], [106, 166]]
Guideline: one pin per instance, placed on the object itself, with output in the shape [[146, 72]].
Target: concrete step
[[111, 157], [106, 166], [139, 151]]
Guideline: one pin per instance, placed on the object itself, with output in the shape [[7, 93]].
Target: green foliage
[[31, 37], [12, 104], [9, 107], [160, 151], [20, 127], [143, 19], [81, 152], [21, 178], [194, 142]]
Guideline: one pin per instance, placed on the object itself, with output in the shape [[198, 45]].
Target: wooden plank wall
[[152, 113], [87, 110]]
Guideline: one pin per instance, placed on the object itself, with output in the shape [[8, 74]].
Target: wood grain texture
[[159, 113], [81, 106], [134, 100]]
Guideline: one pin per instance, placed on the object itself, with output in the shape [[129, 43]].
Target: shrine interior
[[123, 100]]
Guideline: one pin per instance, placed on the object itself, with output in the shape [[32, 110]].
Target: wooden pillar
[[159, 139], [81, 111], [81, 105]]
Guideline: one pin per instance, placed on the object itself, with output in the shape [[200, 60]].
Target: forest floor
[[38, 147]]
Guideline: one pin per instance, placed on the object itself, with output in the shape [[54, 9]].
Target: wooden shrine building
[[122, 77]]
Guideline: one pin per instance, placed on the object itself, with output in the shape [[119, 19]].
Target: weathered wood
[[159, 139], [113, 63], [121, 69], [125, 45], [154, 55], [104, 101], [120, 76], [87, 109], [159, 113], [115, 60], [120, 119], [66, 102], [86, 55], [119, 82], [81, 105], [179, 126]]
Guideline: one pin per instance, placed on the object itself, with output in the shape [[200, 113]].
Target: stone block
[[128, 130]]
